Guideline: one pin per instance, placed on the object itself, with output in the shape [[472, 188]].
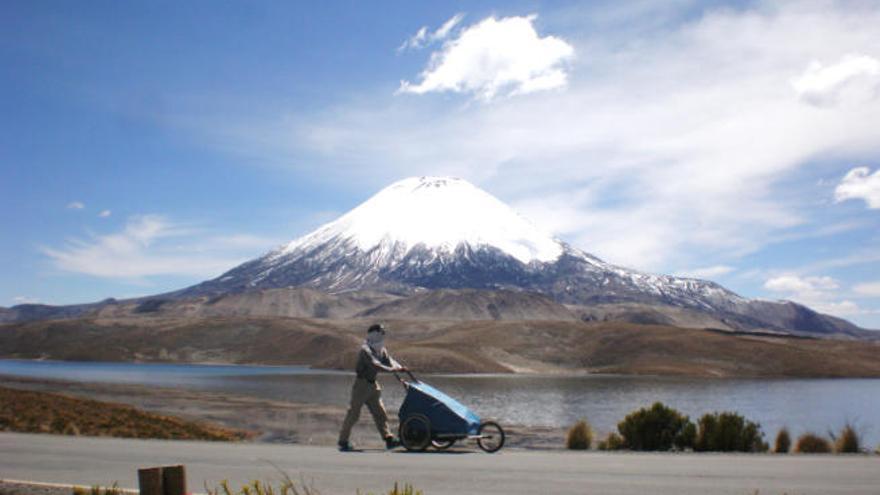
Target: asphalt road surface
[[91, 461]]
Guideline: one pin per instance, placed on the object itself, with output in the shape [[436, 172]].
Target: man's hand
[[402, 368]]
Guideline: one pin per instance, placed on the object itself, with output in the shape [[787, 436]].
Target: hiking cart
[[430, 418]]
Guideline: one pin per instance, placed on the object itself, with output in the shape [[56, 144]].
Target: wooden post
[[173, 480], [150, 481], [167, 480]]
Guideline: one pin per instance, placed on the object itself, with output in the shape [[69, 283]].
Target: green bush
[[728, 432], [810, 443], [579, 437], [656, 428], [848, 441], [783, 442], [611, 442]]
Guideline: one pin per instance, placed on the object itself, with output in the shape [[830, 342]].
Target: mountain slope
[[444, 233], [384, 258]]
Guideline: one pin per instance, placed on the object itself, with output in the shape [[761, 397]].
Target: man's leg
[[377, 409], [359, 394]]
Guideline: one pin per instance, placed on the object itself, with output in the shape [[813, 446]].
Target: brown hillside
[[447, 346]]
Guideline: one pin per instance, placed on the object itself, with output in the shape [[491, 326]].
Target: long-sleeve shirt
[[369, 365]]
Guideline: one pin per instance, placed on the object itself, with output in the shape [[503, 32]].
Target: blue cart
[[428, 417]]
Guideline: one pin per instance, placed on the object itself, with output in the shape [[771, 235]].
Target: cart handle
[[401, 380]]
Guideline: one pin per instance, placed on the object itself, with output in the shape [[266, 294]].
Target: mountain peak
[[436, 213]]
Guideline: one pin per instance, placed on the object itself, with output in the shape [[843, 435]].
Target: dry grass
[[580, 436], [41, 412], [810, 443], [848, 441], [612, 442], [287, 487], [783, 442], [98, 490]]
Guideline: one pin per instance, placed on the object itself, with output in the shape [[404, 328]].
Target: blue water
[[817, 405]]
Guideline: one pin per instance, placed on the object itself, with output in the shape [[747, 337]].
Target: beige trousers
[[364, 392]]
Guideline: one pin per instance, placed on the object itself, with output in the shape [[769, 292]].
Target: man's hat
[[378, 327]]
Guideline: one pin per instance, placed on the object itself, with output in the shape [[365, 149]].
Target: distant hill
[[496, 346]]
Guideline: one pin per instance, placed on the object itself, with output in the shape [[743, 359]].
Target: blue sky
[[146, 146]]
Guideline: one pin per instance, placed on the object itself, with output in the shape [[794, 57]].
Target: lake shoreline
[[550, 373], [270, 421], [298, 405]]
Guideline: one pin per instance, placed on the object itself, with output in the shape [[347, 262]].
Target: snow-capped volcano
[[435, 213], [444, 233]]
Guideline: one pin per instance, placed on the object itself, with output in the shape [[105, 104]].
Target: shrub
[[656, 428], [579, 437], [848, 441], [810, 443], [612, 442], [728, 432], [783, 442]]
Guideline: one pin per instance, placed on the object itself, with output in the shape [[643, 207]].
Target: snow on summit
[[439, 213]]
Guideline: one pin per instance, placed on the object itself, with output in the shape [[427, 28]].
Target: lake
[[801, 404]]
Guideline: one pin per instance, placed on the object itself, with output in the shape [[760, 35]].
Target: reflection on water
[[801, 404]]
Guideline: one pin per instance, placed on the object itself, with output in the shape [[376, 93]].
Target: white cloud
[[800, 285], [869, 289], [860, 183], [105, 213], [675, 145], [856, 77], [706, 272], [443, 31], [496, 57], [839, 308], [423, 38], [151, 245], [75, 205], [415, 41], [25, 300], [817, 292]]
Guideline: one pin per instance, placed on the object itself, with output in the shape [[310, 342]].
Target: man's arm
[[395, 366]]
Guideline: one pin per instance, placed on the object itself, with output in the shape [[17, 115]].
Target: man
[[372, 358]]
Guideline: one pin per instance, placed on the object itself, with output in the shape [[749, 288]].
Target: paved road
[[92, 460]]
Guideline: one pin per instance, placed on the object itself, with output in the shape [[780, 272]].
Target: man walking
[[372, 358]]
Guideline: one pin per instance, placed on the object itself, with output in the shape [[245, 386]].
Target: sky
[[147, 146]]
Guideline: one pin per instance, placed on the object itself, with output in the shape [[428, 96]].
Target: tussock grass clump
[[580, 436], [257, 487], [611, 442], [783, 441], [728, 432], [406, 490], [810, 443], [657, 428], [848, 441]]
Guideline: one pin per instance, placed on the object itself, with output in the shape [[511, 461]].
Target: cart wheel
[[442, 444], [491, 437], [415, 433]]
